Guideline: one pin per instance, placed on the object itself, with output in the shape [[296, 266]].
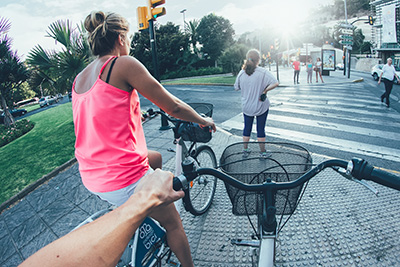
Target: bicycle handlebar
[[357, 168], [366, 171], [163, 114]]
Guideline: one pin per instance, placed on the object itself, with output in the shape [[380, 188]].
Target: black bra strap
[[109, 71]]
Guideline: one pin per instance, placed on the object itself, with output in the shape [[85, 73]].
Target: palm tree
[[191, 30], [12, 71], [56, 70]]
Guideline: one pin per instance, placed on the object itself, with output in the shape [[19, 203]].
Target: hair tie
[[250, 59]]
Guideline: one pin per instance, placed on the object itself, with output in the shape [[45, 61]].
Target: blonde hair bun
[[94, 20]]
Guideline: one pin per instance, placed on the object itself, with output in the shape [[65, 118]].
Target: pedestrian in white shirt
[[388, 74]]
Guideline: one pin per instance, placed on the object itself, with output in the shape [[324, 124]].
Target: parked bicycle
[[270, 187], [187, 135]]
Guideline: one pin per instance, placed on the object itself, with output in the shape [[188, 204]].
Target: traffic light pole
[[277, 68], [349, 58], [154, 50], [153, 45]]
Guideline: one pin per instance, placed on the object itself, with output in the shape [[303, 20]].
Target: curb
[[29, 188], [209, 84], [280, 85]]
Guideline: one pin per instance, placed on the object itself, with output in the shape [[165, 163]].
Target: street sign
[[346, 31], [346, 25], [348, 37], [346, 42], [349, 47]]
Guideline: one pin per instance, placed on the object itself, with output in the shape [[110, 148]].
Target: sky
[[30, 19]]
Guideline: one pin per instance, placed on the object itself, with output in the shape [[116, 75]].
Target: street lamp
[[183, 14]]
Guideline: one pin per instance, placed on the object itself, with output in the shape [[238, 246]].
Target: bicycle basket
[[190, 131], [203, 108], [286, 162]]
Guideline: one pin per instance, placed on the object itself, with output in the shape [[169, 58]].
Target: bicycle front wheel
[[201, 190]]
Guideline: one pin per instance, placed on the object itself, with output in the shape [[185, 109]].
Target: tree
[[172, 47], [12, 71], [215, 34], [358, 40], [232, 58], [191, 30], [56, 70]]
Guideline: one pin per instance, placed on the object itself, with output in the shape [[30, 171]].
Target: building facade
[[386, 29]]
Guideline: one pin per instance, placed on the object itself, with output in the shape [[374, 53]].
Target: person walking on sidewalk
[[254, 83], [110, 144], [388, 74], [296, 67], [309, 71], [318, 69]]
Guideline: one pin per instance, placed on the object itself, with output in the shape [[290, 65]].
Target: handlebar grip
[[177, 184], [385, 178], [364, 170]]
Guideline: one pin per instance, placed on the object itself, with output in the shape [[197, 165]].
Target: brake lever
[[347, 174]]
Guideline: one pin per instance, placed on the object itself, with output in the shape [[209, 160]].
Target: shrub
[[20, 128], [191, 73]]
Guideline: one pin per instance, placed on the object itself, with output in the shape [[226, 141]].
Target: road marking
[[322, 141], [315, 107], [335, 126]]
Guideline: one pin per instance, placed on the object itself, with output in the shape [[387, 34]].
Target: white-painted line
[[323, 141]]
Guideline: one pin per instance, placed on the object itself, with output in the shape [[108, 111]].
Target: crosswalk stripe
[[322, 141], [314, 107], [330, 115], [335, 126]]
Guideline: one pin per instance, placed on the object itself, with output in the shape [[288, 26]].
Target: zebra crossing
[[341, 117]]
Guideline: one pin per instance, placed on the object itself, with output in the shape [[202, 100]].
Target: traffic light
[[154, 11], [370, 20], [277, 43], [143, 22]]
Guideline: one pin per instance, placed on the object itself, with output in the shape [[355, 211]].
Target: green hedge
[[192, 73]]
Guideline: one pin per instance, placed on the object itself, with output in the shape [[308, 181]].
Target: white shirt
[[251, 89], [388, 72]]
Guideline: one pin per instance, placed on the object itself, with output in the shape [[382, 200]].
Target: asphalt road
[[319, 123]]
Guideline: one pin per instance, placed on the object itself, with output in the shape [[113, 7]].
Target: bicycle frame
[[180, 151]]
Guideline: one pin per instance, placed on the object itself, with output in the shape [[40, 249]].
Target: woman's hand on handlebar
[[209, 122]]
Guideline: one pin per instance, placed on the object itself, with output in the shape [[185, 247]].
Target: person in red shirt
[[296, 67]]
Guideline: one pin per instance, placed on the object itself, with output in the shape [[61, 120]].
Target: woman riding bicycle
[[110, 144]]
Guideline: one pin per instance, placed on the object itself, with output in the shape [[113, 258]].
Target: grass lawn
[[31, 107], [48, 145], [223, 80]]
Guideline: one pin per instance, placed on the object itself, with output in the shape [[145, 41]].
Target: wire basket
[[284, 162], [203, 108]]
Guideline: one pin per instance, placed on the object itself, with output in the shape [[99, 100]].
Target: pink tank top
[[110, 145]]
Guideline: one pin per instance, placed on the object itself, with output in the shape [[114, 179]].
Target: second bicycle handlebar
[[357, 168]]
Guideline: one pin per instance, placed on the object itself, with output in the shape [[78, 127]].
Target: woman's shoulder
[[261, 70], [129, 64]]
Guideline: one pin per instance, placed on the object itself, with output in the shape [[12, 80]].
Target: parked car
[[340, 66], [14, 113], [47, 100], [377, 70], [59, 96]]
